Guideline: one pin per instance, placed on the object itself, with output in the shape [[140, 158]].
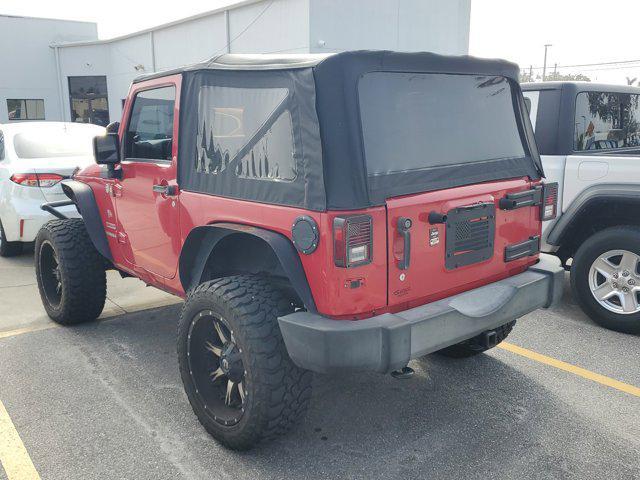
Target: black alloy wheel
[[216, 368], [50, 274], [237, 375]]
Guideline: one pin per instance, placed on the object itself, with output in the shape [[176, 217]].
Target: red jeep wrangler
[[317, 213]]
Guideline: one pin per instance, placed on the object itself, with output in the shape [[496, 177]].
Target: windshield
[[52, 143], [414, 122]]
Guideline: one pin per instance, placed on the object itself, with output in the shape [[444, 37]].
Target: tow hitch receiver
[[403, 373], [490, 339]]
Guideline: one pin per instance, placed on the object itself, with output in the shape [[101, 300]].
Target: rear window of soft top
[[418, 121]]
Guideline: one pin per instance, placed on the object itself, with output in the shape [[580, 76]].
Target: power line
[[249, 25], [590, 64], [609, 68]]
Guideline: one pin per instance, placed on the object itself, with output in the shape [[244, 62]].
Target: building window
[[89, 100], [25, 108]]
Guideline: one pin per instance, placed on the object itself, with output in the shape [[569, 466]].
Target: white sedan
[[34, 158]]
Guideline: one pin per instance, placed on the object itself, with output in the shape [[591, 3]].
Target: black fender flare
[[202, 240], [82, 196], [584, 201]]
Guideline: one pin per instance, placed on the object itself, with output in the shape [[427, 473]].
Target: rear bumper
[[387, 342]]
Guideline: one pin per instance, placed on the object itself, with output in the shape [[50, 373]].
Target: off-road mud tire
[[278, 392], [81, 272]]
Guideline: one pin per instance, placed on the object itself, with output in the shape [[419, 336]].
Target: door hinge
[[528, 198], [113, 189]]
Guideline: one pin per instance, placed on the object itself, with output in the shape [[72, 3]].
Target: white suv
[[34, 158], [588, 136]]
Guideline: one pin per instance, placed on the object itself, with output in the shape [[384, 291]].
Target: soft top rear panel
[[347, 184], [322, 105]]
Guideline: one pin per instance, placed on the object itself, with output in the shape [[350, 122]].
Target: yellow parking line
[[13, 456], [567, 367], [33, 328]]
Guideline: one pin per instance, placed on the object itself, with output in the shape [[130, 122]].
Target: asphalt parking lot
[[104, 400]]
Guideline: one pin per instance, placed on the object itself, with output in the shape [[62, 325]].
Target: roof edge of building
[[49, 19], [162, 26]]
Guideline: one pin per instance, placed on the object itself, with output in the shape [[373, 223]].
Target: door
[[147, 195], [441, 257], [606, 143]]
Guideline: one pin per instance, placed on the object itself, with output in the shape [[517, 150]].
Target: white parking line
[[14, 457]]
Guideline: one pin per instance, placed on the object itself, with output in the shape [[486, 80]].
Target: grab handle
[[404, 225]]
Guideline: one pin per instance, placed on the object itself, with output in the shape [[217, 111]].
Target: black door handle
[[168, 190], [404, 225]]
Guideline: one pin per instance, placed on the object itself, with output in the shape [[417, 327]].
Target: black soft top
[[350, 63], [575, 87], [323, 101]]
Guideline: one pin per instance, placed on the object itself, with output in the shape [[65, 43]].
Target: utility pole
[[544, 68]]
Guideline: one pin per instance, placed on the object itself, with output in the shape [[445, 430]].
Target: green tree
[[567, 77]]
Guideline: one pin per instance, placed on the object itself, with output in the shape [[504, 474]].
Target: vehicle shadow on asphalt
[[455, 418]]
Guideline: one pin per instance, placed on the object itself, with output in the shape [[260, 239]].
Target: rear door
[[445, 150], [606, 143], [462, 251], [147, 196]]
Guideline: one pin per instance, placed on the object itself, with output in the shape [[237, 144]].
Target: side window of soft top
[[149, 134]]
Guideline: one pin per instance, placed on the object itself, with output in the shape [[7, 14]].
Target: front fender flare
[[202, 240], [82, 195]]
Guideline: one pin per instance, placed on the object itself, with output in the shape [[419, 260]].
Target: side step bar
[[51, 208]]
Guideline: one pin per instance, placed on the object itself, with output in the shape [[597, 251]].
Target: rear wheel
[[239, 379], [478, 344], [70, 272], [605, 278], [8, 249]]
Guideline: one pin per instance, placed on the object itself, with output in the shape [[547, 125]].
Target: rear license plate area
[[470, 235]]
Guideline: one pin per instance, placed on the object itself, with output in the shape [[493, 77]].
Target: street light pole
[[544, 67]]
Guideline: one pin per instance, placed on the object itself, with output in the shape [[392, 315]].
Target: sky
[[580, 31]]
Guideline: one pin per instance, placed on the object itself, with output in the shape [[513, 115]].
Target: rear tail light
[[44, 180], [549, 207], [352, 240]]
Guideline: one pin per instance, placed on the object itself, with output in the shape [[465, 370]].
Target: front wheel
[[239, 379], [70, 272], [605, 278]]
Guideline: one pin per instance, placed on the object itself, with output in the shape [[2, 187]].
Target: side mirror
[[106, 151], [113, 127]]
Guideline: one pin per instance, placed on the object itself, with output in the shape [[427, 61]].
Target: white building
[[63, 72]]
